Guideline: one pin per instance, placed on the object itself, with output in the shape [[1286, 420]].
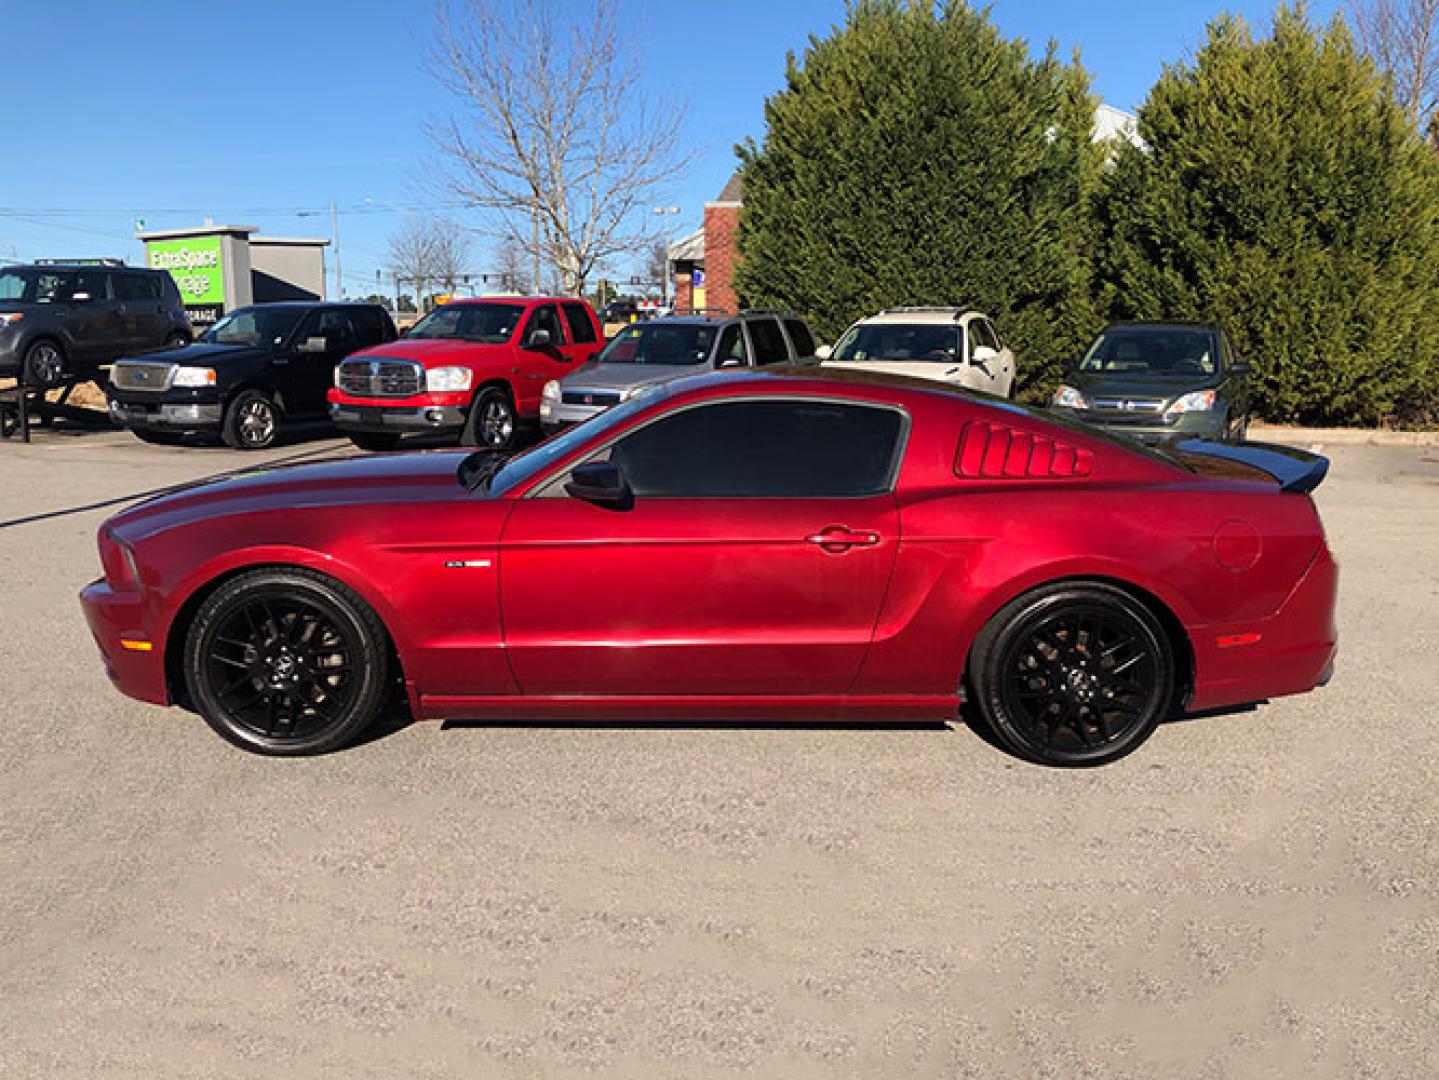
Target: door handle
[[837, 539]]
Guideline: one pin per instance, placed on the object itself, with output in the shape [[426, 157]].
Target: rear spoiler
[[1294, 470]]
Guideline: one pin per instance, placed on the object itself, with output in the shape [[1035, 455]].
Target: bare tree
[[1403, 38], [554, 134], [657, 262], [412, 256], [511, 265], [452, 247]]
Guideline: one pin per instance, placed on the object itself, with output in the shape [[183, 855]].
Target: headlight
[[12, 317], [1199, 401], [551, 392], [194, 376], [118, 561], [447, 378], [1070, 398]]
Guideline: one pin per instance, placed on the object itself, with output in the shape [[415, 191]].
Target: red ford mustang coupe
[[763, 545]]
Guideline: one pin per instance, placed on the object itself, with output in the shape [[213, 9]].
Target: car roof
[[1141, 324], [928, 316]]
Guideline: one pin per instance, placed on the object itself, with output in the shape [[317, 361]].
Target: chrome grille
[[382, 378], [142, 375], [590, 397], [1137, 405]]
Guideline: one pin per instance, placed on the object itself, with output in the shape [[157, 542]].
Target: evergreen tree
[[1284, 194], [916, 157]]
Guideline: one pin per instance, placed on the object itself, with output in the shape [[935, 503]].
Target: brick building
[[703, 263]]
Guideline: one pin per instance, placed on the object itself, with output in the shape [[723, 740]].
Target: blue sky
[[261, 112]]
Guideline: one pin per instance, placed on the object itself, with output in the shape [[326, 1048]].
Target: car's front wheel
[[492, 421], [44, 365], [1073, 674], [252, 422], [287, 662]]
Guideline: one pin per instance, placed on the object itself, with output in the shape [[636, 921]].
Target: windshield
[[254, 326], [1166, 351], [936, 342], [661, 343], [490, 324], [522, 468]]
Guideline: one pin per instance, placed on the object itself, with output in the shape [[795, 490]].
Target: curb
[[1342, 436]]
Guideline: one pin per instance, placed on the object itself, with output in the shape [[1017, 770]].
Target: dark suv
[[61, 322], [254, 370]]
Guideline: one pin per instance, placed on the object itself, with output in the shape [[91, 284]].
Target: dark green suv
[[1159, 381]]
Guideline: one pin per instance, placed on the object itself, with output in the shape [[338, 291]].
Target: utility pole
[[666, 213], [335, 232]]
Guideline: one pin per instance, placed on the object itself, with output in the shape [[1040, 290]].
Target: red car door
[[542, 360], [753, 560]]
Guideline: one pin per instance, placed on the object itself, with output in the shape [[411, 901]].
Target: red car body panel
[[524, 371], [524, 605]]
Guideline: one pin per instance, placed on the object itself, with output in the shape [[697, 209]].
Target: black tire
[[252, 421], [45, 365], [158, 438], [1073, 674], [286, 661], [377, 441], [492, 422]]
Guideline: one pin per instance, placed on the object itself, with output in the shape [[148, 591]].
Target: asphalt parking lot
[[1249, 895]]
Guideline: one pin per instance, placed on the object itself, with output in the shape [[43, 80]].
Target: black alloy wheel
[[44, 365], [1073, 674], [286, 662], [492, 422], [252, 422]]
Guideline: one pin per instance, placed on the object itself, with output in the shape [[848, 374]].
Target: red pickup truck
[[472, 367]]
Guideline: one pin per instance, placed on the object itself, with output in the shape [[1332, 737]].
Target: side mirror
[[539, 339], [602, 483], [314, 345], [1240, 368], [983, 354], [824, 352]]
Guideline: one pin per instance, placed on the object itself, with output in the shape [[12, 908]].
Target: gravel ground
[[1251, 895]]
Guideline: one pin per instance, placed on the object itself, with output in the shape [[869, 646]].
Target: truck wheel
[[491, 422], [377, 441], [251, 422], [44, 365]]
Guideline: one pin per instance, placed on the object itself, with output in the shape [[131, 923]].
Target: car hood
[[621, 376], [435, 352], [203, 354], [373, 479], [1135, 386], [924, 369]]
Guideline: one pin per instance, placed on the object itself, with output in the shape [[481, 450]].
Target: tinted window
[[660, 343], [732, 347], [582, 330], [1152, 350], [763, 449], [769, 346], [133, 287], [94, 283], [254, 326], [938, 342], [370, 328], [988, 336], [333, 326], [492, 324], [800, 337]]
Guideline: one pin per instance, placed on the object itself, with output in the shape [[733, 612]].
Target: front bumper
[[185, 417], [398, 418], [117, 617], [1195, 425], [562, 414]]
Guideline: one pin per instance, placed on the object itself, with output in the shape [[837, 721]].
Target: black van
[[254, 370], [60, 322]]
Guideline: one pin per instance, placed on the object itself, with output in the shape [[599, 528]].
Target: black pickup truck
[[253, 371]]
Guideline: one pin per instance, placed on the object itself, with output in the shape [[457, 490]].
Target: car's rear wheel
[[492, 422], [252, 422], [44, 365], [377, 441], [1073, 674], [287, 662]]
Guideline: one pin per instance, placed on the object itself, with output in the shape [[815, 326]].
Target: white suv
[[953, 345]]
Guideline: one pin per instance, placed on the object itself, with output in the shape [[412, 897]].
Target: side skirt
[[661, 708]]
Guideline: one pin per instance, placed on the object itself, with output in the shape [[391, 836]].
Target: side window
[[333, 326], [93, 283], [545, 318], [582, 328], [972, 340], [769, 346], [764, 449], [369, 327], [987, 336], [132, 287], [800, 337], [732, 347]]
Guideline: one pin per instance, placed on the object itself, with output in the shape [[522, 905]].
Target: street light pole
[[666, 212]]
